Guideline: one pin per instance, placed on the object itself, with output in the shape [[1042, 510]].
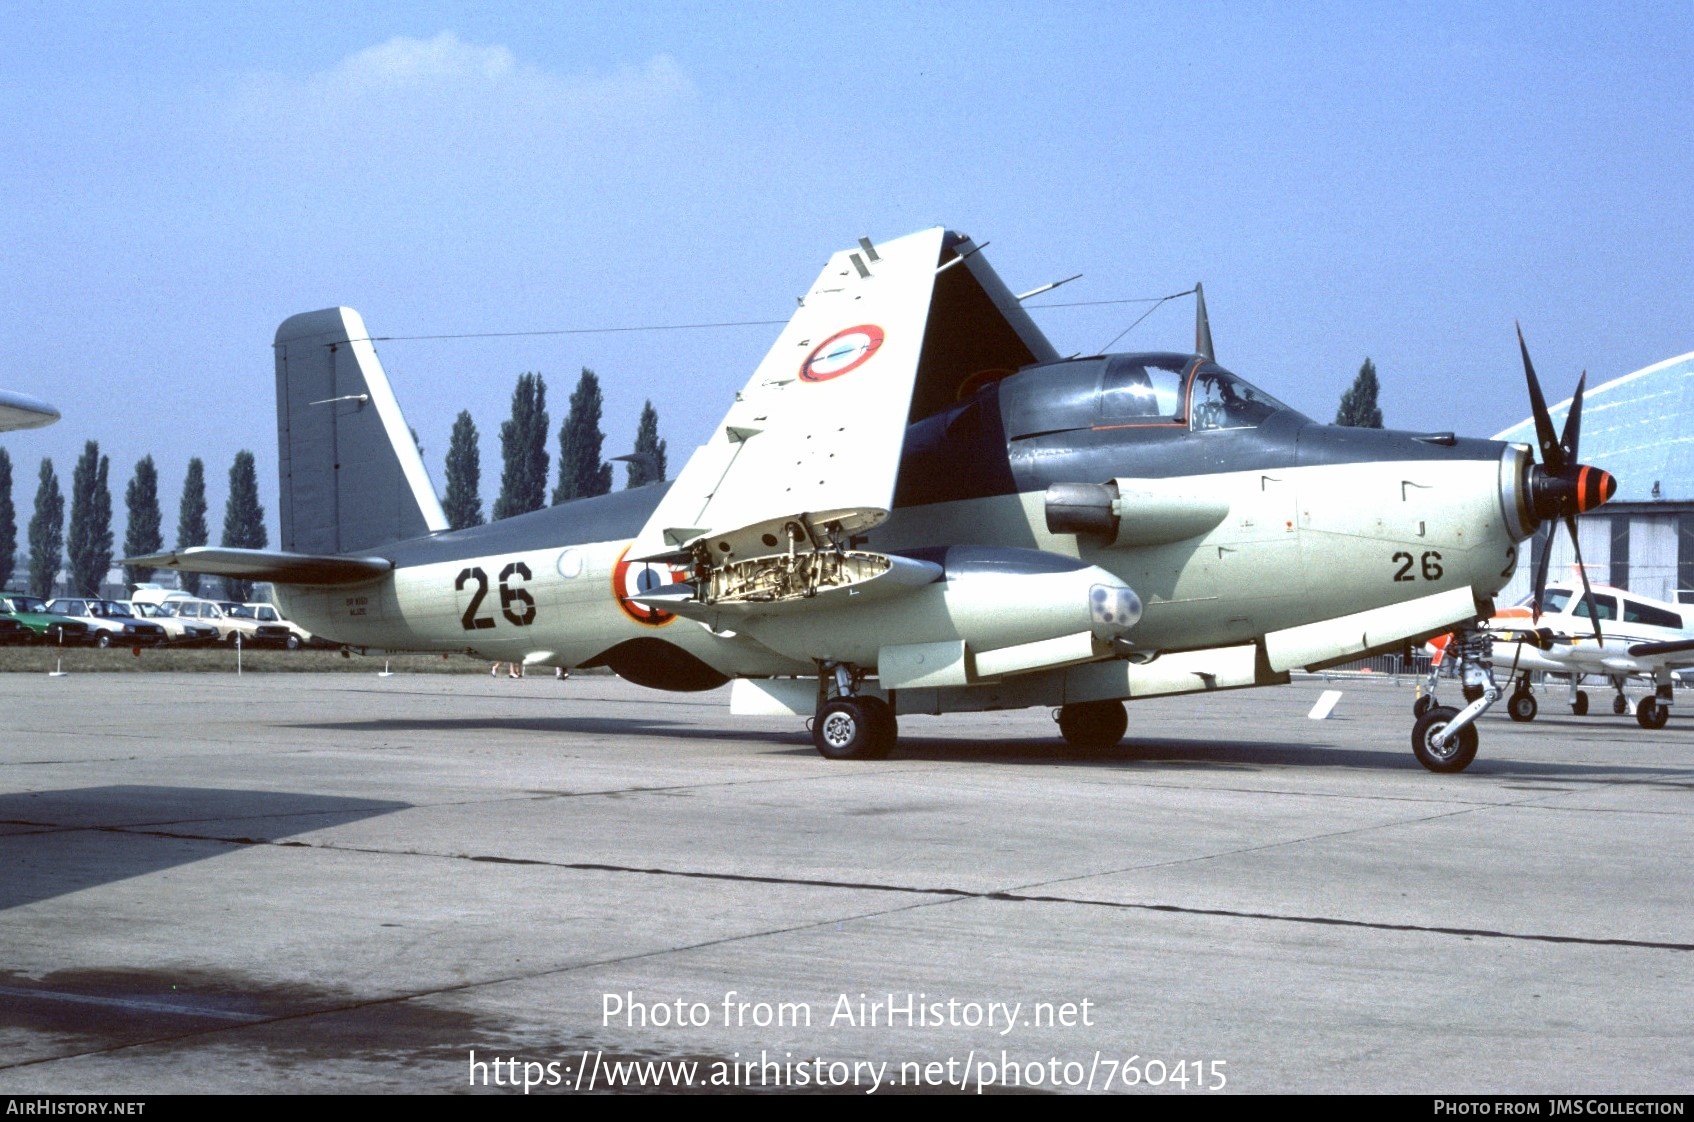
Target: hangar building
[[1639, 427]]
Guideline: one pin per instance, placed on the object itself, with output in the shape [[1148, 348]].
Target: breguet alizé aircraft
[[916, 505], [1638, 637]]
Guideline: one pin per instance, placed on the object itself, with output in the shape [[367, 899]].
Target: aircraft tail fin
[[351, 476]]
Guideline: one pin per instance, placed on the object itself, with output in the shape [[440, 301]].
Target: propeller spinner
[[1561, 487]]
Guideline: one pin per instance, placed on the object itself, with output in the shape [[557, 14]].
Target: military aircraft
[[1642, 637], [917, 505], [20, 411]]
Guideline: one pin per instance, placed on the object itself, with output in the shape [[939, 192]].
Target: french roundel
[[632, 578], [841, 352]]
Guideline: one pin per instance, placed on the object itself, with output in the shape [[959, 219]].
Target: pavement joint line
[[950, 894]]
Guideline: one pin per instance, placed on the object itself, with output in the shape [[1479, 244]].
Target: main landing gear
[[1651, 712], [1444, 739], [1092, 726], [851, 725]]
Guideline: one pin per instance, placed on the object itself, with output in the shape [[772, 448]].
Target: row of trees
[[523, 447], [523, 487], [87, 545]]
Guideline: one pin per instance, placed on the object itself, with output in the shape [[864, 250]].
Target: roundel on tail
[[631, 578], [841, 352]]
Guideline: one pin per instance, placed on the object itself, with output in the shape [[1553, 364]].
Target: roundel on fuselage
[[632, 578]]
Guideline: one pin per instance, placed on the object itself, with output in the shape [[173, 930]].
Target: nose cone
[[1593, 488], [1577, 489]]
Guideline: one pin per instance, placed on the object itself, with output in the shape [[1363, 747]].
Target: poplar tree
[[582, 473], [89, 542], [8, 523], [144, 534], [46, 534], [463, 501], [191, 519], [649, 466], [244, 519], [1358, 404], [523, 445]]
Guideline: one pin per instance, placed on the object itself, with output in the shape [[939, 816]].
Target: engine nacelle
[[991, 613]]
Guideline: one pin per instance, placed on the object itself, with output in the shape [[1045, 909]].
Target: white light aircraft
[[916, 505], [1640, 637]]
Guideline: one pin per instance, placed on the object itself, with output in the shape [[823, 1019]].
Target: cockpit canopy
[[1118, 391]]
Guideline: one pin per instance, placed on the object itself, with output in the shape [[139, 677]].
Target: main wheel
[[845, 729], [1620, 705], [1422, 704], [104, 640], [1522, 706], [1093, 725], [292, 642], [1650, 714], [1431, 753], [1579, 704], [885, 727]]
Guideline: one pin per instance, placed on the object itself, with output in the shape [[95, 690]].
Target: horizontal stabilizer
[[267, 564]]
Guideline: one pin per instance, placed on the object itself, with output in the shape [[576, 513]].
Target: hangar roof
[[1639, 427]]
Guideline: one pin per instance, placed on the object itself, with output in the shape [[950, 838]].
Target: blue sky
[[1395, 181]]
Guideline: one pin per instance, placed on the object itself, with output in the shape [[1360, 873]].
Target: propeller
[[1560, 486]]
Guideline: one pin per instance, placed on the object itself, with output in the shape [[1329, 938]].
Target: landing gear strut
[[1444, 739], [850, 725]]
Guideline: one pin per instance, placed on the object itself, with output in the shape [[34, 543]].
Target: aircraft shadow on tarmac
[[1133, 752], [65, 841], [564, 726], [1150, 753]]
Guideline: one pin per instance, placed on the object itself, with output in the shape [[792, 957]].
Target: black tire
[[1422, 704], [1522, 707], [845, 730], [1620, 705], [103, 640], [292, 642], [1427, 747], [1579, 704], [1650, 714], [884, 725], [232, 638], [1093, 726]]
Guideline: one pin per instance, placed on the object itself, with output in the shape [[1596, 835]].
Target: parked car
[[112, 622], [231, 627], [297, 636], [181, 632], [45, 626]]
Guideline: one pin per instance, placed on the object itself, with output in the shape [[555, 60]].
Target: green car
[[45, 626]]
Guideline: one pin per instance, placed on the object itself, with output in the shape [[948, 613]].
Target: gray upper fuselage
[[1046, 424]]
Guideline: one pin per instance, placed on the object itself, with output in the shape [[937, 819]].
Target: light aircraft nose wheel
[[845, 729], [1431, 753], [1650, 714], [1579, 704], [1522, 707], [1422, 704], [1093, 726], [1620, 705]]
